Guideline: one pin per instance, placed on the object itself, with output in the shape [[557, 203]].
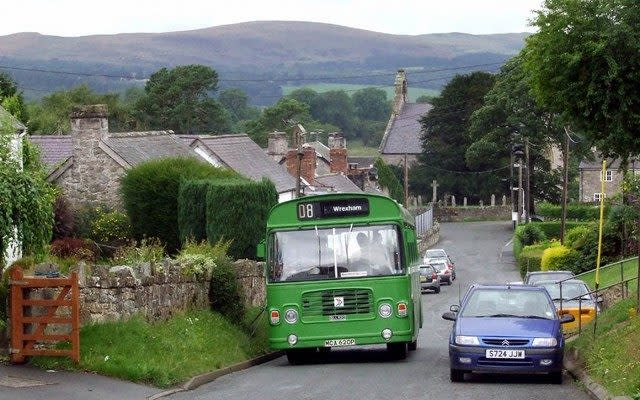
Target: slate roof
[[403, 134], [335, 183], [321, 149], [596, 164], [137, 147], [362, 161], [54, 149], [243, 155]]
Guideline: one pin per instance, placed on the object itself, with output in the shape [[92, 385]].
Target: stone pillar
[[420, 200], [481, 203], [400, 96], [504, 199], [278, 144], [493, 200], [464, 201], [434, 185], [453, 201]]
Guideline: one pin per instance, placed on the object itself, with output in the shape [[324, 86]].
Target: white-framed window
[[596, 196], [608, 175]]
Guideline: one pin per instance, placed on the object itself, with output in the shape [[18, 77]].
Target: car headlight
[[291, 316], [544, 342], [467, 340]]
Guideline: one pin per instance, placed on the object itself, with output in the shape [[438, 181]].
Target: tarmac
[[19, 382]]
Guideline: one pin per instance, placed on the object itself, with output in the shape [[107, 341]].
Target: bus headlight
[[291, 316], [385, 310]]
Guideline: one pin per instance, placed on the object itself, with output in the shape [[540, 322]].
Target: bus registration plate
[[339, 342]]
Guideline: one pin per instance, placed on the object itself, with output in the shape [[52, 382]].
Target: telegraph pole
[[565, 180], [527, 193]]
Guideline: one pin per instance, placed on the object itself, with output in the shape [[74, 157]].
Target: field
[[413, 93]]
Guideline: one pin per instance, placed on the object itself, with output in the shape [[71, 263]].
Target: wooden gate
[[24, 341]]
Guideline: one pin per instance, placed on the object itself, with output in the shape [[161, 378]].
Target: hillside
[[251, 51]]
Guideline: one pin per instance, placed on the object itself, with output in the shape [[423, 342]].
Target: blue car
[[506, 329]]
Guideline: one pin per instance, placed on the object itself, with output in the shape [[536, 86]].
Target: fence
[[28, 330], [424, 222]]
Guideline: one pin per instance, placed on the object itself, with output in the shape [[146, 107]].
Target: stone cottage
[[402, 136], [590, 188]]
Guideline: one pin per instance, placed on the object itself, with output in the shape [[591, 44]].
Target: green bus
[[341, 270]]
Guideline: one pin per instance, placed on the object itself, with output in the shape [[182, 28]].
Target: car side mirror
[[454, 308], [449, 316], [567, 318]]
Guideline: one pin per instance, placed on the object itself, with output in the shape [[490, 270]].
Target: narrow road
[[476, 249]]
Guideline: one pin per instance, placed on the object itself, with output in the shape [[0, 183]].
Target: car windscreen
[[508, 303], [334, 253], [550, 276], [570, 291], [426, 270], [435, 254], [440, 267]]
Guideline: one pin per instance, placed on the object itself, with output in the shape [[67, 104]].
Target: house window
[[596, 196], [608, 175]]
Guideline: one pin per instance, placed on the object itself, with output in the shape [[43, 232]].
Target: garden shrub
[[237, 211], [224, 290], [555, 258], [148, 250], [192, 210], [150, 195], [388, 179], [576, 236], [529, 234], [85, 218], [200, 258], [530, 256], [575, 211], [77, 249], [63, 218], [552, 229], [111, 226]]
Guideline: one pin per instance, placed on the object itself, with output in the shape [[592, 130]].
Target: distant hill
[[252, 55]]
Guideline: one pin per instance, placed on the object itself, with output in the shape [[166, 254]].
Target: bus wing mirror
[[261, 250]]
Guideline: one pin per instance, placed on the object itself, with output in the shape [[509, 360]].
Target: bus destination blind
[[333, 209]]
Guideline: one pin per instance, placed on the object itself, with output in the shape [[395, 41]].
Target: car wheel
[[397, 351], [437, 289], [556, 377], [413, 346], [456, 375]]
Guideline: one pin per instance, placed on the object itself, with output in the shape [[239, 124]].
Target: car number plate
[[503, 353], [339, 342], [423, 279]]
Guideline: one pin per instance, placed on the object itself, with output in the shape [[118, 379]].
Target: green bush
[[150, 194], [552, 229], [149, 250], [192, 210], [530, 256], [575, 211], [224, 290], [388, 179], [557, 258], [110, 226], [576, 236], [529, 234], [237, 211], [200, 258]]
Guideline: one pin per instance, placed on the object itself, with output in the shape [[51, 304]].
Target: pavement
[[26, 382]]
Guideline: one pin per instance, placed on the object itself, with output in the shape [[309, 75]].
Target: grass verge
[[610, 274], [166, 353], [612, 353]]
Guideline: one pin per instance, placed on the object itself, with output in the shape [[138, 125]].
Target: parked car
[[436, 255], [429, 278], [573, 297], [443, 271], [506, 329], [532, 277]]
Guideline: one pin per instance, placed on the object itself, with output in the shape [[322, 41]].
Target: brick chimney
[[400, 91], [337, 153], [278, 144], [307, 166]]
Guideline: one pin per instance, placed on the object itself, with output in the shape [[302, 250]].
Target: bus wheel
[[413, 346], [398, 351]]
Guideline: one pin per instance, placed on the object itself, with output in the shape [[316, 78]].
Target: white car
[[433, 256]]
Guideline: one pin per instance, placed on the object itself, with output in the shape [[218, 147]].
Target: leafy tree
[[445, 140], [334, 107], [11, 99], [180, 99], [279, 117], [236, 102], [371, 104], [304, 95], [424, 99], [388, 180], [583, 62]]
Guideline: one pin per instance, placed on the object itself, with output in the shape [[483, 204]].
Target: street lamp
[[517, 151]]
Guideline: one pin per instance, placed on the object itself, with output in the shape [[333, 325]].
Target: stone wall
[[252, 281], [473, 213]]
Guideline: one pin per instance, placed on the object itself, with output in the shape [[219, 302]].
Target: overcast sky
[[410, 17]]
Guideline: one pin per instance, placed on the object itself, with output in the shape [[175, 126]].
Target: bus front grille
[[337, 302]]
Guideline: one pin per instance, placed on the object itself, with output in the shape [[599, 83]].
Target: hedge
[[575, 211], [530, 257], [558, 258], [237, 210], [150, 194], [192, 210], [552, 229]]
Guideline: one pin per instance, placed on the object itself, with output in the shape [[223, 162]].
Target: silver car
[[429, 278], [443, 270]]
